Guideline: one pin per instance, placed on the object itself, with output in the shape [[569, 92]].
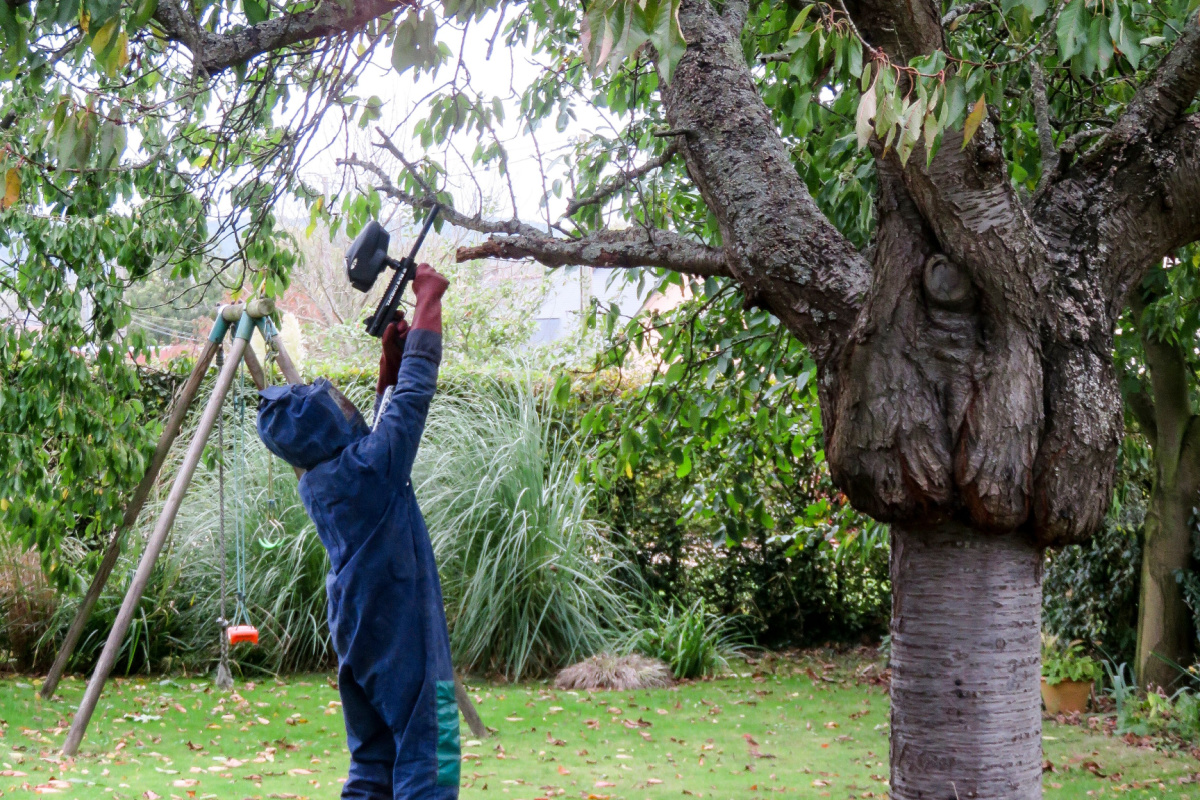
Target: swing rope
[[240, 615], [224, 675], [237, 628]]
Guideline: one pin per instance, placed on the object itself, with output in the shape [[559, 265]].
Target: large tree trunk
[[1165, 630], [966, 620]]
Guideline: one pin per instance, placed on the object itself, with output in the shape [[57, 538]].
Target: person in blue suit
[[385, 602]]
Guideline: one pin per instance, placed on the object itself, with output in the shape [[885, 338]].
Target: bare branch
[[1160, 101], [1041, 113], [216, 52], [621, 180], [633, 247], [476, 223], [961, 11]]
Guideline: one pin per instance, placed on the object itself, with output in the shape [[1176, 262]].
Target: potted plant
[[1067, 676]]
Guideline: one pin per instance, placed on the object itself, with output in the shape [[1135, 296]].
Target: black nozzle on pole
[[367, 258]]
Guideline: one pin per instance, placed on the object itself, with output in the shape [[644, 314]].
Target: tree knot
[[947, 285]]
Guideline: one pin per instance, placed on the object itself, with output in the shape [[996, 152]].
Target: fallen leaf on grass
[[602, 784], [563, 770]]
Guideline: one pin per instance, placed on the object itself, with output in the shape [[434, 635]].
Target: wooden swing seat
[[242, 633]]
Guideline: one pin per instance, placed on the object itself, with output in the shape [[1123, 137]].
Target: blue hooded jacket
[[385, 605]]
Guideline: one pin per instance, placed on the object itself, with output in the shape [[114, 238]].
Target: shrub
[[807, 583], [531, 580], [1090, 591], [694, 641]]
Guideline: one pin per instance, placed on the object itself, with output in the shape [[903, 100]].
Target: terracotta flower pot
[[1066, 697]]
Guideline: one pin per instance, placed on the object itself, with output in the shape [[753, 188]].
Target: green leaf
[[910, 133], [685, 468], [855, 55], [112, 143], [798, 22], [144, 13], [256, 11], [664, 33], [1071, 31], [8, 23], [1126, 38]]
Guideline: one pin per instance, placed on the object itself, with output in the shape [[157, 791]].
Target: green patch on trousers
[[449, 756]]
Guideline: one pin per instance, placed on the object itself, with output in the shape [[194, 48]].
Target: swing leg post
[[275, 339], [257, 374], [158, 538], [467, 709], [140, 495]]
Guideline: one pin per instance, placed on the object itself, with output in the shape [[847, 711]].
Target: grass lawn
[[791, 728]]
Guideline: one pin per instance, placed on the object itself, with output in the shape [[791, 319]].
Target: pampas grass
[[608, 672], [531, 580]]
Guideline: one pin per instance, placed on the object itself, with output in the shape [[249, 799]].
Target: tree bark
[[966, 622]]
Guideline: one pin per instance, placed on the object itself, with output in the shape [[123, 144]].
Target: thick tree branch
[[903, 30], [1045, 133], [1160, 101], [965, 194], [621, 180], [216, 52], [735, 14], [633, 247], [513, 239], [1138, 210], [778, 244]]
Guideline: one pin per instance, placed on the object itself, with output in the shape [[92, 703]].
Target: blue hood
[[306, 425]]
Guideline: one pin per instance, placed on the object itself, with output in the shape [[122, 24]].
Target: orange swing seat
[[242, 633]]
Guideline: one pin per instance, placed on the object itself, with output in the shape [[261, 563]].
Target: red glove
[[393, 350], [429, 285]]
